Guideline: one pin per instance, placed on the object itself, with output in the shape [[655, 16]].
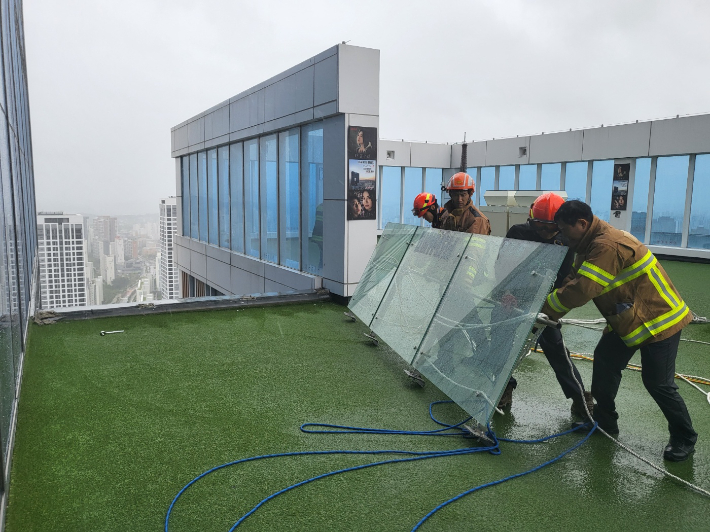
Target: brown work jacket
[[466, 220], [628, 285]]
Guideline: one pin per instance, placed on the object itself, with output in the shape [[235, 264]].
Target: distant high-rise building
[[120, 251], [62, 257], [169, 284], [105, 228]]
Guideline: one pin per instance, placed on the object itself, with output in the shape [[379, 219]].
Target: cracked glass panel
[[458, 307]]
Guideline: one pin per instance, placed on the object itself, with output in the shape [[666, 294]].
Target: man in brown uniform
[[460, 214], [643, 311]]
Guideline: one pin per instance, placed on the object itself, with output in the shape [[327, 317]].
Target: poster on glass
[[620, 187], [362, 173]]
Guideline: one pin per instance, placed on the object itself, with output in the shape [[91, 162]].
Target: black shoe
[[578, 403], [586, 426], [678, 452]]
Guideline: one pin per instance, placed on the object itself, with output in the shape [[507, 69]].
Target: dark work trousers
[[553, 347], [657, 370]]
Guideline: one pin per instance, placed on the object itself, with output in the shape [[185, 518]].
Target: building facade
[[167, 273], [287, 185], [18, 234], [64, 281]]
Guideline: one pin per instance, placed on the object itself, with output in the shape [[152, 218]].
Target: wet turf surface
[[110, 428]]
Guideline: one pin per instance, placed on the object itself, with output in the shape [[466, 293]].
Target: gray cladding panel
[[400, 153], [273, 286], [334, 162], [183, 257], [217, 123], [198, 263], [359, 80], [248, 264], [196, 132], [244, 282], [218, 273], [430, 155], [680, 136], [475, 156], [218, 253], [556, 147], [616, 142], [291, 278], [180, 138], [333, 241], [326, 81], [325, 110], [507, 151]]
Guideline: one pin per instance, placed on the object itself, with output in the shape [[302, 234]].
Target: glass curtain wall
[[269, 199], [412, 187], [212, 198], [194, 223], [432, 185], [699, 233], [289, 199], [506, 178], [236, 196], [528, 177], [223, 160], [251, 197], [669, 200], [602, 177], [550, 177], [640, 202], [202, 194], [576, 181], [488, 177], [391, 194], [185, 170], [312, 198]]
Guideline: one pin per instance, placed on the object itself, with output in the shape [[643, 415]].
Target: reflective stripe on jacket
[[628, 285], [466, 220]]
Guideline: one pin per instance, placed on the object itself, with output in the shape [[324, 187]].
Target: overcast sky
[[109, 78]]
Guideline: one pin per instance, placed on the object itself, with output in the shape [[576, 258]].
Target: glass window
[[251, 197], [488, 176], [434, 177], [212, 195], [194, 224], [528, 177], [236, 196], [602, 177], [289, 214], [223, 158], [576, 181], [391, 188], [506, 178], [202, 193], [312, 198], [669, 200], [640, 202], [412, 187], [185, 168], [269, 199], [550, 179], [699, 234]]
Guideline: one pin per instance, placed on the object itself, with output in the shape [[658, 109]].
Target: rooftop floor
[[110, 428]]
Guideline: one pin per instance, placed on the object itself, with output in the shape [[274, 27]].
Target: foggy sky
[[108, 78]]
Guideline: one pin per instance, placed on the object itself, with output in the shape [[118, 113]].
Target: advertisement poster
[[620, 187], [362, 173]]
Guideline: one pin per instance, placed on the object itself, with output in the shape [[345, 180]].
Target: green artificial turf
[[111, 428]]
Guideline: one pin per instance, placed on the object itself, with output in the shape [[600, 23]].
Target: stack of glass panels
[[457, 307]]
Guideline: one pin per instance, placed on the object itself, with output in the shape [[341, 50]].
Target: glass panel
[[464, 340], [412, 187], [202, 193], [528, 177], [669, 200], [212, 198], [312, 198], [488, 177], [194, 223], [550, 178], [391, 194], [251, 197], [699, 234], [640, 201], [223, 156], [434, 177], [602, 177], [379, 271], [269, 199], [236, 195], [289, 214], [576, 181], [185, 167], [506, 178]]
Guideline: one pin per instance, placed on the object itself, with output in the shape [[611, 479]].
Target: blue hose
[[411, 456]]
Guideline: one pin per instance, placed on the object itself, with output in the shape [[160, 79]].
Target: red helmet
[[422, 203], [461, 181], [545, 207]]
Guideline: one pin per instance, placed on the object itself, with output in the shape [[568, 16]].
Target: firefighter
[[425, 206], [460, 214], [541, 227], [643, 311]]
